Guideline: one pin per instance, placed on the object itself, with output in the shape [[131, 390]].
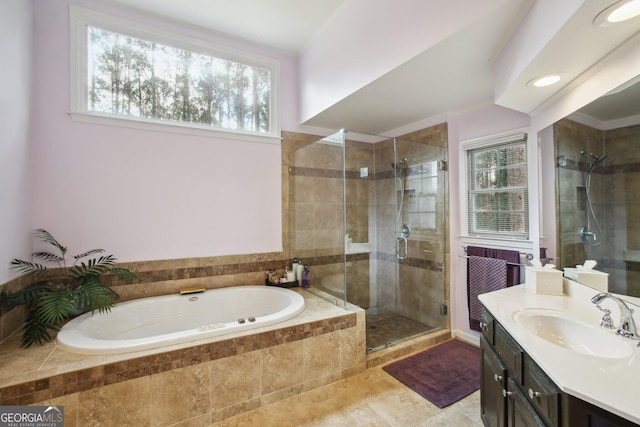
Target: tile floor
[[372, 398], [387, 326]]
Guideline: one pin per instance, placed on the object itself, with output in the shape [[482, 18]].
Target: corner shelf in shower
[[358, 248]]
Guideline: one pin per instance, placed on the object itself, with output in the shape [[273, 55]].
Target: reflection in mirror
[[598, 187]]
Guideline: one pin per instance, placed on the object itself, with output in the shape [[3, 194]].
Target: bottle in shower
[[306, 277]]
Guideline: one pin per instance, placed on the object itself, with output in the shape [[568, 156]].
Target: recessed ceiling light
[[618, 12], [546, 80]]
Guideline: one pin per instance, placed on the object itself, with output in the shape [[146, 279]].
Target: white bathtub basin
[[173, 319]]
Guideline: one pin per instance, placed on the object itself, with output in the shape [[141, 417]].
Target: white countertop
[[611, 384]]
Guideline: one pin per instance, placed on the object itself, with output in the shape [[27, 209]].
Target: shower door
[[367, 214], [400, 206]]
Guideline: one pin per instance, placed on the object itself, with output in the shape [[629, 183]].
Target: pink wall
[[481, 122], [146, 195], [15, 44]]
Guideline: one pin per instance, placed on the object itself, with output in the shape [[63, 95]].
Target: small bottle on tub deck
[[306, 277], [291, 275], [299, 269]]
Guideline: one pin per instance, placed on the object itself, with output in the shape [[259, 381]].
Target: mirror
[[597, 151]]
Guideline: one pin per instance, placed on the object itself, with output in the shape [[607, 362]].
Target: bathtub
[[172, 319]]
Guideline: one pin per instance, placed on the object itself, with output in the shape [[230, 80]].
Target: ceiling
[[456, 74], [286, 25], [620, 107]]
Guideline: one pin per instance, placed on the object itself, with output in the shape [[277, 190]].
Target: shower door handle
[[406, 247]]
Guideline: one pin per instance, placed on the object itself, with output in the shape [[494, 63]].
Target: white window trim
[[492, 241], [81, 17]]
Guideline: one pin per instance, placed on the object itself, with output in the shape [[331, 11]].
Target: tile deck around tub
[[44, 372]]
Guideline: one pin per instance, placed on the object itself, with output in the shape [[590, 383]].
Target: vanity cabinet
[[516, 392]]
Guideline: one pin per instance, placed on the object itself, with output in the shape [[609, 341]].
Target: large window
[[138, 74], [497, 199]]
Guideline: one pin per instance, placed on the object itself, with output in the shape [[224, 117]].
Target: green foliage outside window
[[498, 190]]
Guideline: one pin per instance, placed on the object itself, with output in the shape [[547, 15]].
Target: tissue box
[[543, 280], [593, 278]]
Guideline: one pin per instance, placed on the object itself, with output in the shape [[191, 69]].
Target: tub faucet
[[626, 327]]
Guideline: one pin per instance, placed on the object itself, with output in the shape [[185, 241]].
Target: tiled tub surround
[[195, 384], [165, 277]]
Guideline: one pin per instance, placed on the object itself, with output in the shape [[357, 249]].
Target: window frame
[[495, 238], [81, 17]]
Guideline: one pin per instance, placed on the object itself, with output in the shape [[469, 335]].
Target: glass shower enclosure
[[367, 215]]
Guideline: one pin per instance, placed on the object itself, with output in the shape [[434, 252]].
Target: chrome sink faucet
[[626, 327]]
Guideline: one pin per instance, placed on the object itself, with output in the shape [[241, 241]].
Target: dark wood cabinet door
[[493, 382], [541, 392]]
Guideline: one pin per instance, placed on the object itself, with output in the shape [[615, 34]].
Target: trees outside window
[[497, 190], [123, 70]]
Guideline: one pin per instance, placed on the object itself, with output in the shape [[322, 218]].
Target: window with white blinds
[[497, 196]]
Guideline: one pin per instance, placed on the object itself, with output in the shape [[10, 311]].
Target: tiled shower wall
[[423, 279], [624, 203], [570, 138], [615, 197], [317, 215], [316, 219]]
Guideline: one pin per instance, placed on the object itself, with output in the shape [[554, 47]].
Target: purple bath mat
[[443, 374]]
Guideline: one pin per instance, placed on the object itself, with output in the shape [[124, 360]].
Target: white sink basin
[[559, 328]]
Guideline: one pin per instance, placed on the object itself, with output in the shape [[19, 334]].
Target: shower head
[[595, 158], [599, 160], [596, 161]]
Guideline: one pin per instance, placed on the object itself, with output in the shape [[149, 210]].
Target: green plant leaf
[[91, 252], [27, 296], [46, 237], [93, 295], [26, 266], [50, 302], [35, 330], [55, 305], [48, 257], [91, 268]]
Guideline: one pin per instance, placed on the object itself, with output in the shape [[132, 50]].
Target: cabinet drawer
[[486, 325], [509, 351], [541, 392]]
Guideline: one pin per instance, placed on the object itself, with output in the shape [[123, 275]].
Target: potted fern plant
[[58, 294]]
